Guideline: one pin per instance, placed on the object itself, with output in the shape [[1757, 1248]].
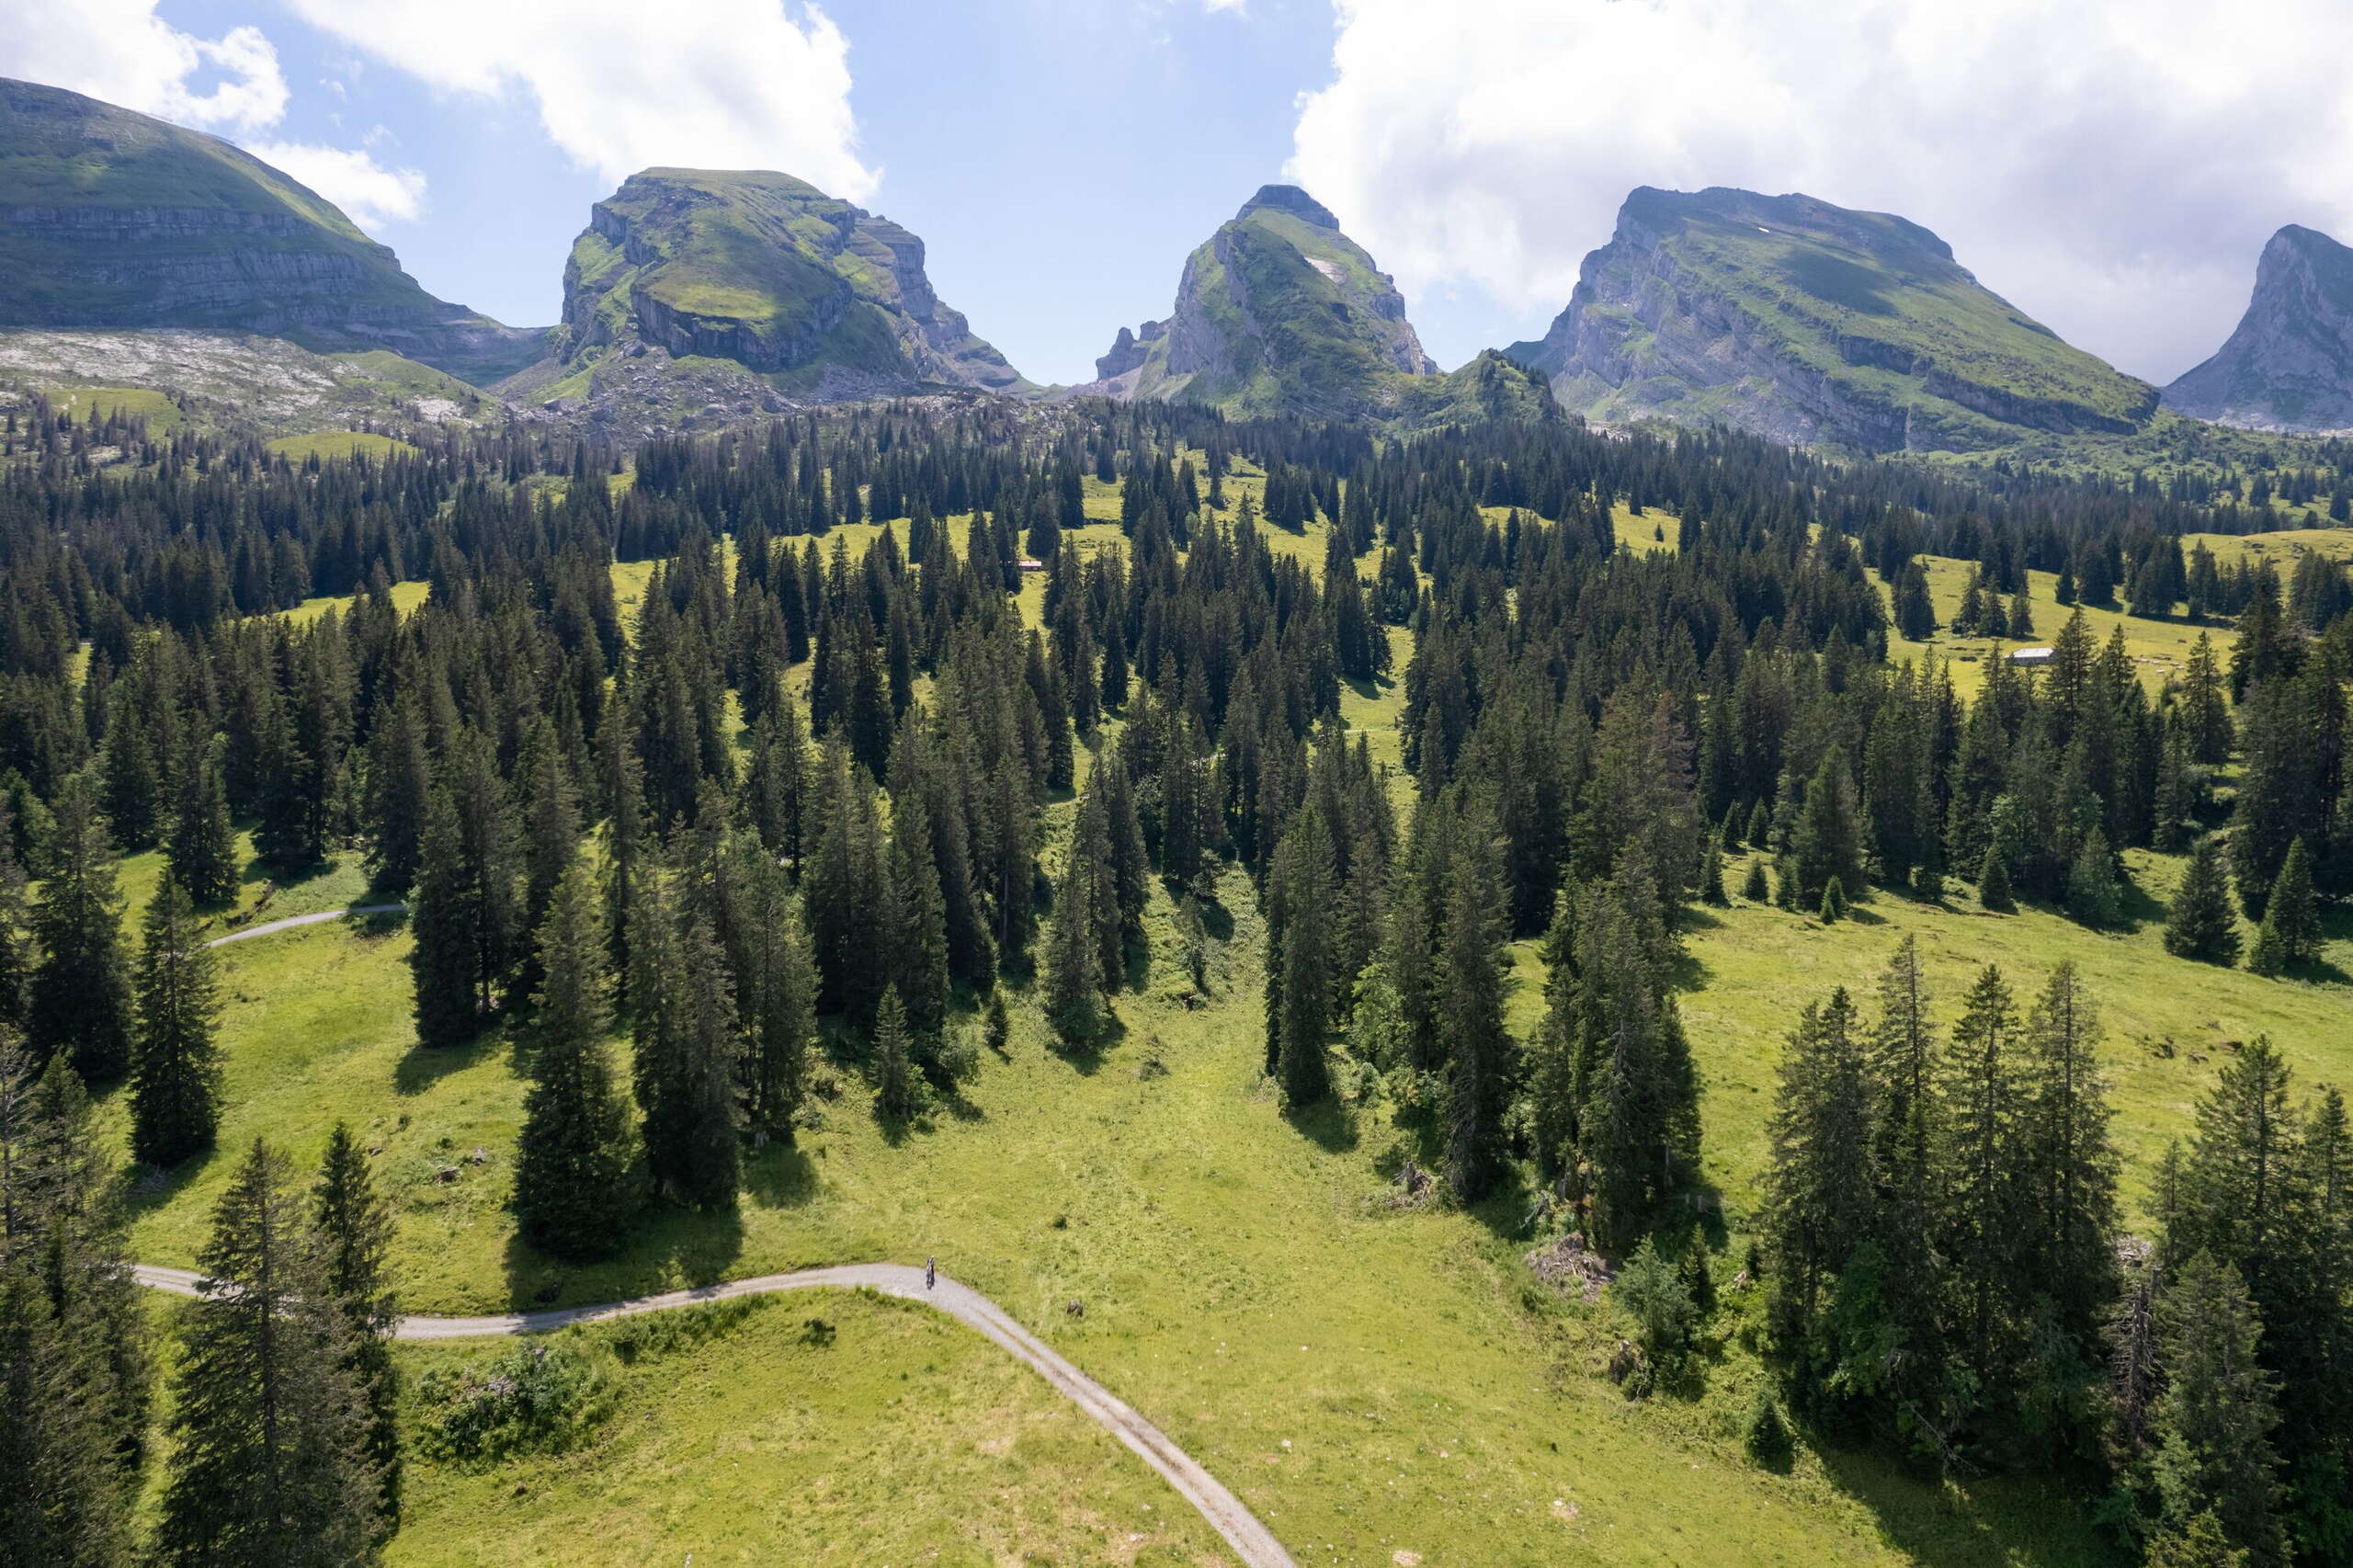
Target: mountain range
[[704, 297]]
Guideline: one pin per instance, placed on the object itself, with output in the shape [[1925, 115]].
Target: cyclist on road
[[930, 1271]]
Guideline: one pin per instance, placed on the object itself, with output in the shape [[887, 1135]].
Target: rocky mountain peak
[[2288, 365], [1291, 200]]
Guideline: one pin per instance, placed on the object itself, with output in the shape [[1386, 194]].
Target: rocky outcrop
[[111, 220], [2289, 366], [1811, 324], [1128, 350], [1276, 313], [770, 274]]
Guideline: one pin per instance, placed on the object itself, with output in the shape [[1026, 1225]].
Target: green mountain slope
[[1280, 312], [2289, 366], [1809, 323], [114, 220], [768, 273]]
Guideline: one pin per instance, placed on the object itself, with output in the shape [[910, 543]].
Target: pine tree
[[571, 1161], [74, 1371], [1981, 1203], [355, 1225], [399, 791], [1074, 968], [686, 1047], [2094, 897], [2069, 1163], [1754, 887], [2214, 1422], [442, 916], [1304, 884], [80, 996], [2292, 909], [1833, 902], [2204, 923], [1994, 883], [203, 855], [1819, 1181], [2267, 955], [270, 1463], [1470, 1011], [776, 990], [894, 1077], [17, 956], [551, 834], [175, 1065]]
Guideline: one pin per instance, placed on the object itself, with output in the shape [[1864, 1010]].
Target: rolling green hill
[[1808, 323], [114, 220]]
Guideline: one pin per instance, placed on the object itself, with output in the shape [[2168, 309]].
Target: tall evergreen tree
[[269, 1461], [1469, 977], [2202, 924], [2215, 1420], [354, 1226], [175, 1065], [571, 1161], [686, 1047], [442, 916], [203, 852], [2069, 1161], [1821, 1177], [80, 995]]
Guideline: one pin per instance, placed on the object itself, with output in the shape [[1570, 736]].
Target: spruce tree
[[686, 1050], [571, 1161], [2215, 1420], [1994, 883], [80, 996], [1983, 1202], [17, 955], [269, 1458], [2203, 923], [354, 1226], [204, 854], [1074, 967], [1470, 1011], [894, 1077], [2069, 1160], [398, 793], [74, 1371], [776, 990], [1819, 1180], [2094, 896], [175, 1065], [1753, 886], [2291, 909], [443, 911], [1304, 882]]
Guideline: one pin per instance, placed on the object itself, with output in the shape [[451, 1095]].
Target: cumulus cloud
[[2111, 166], [121, 51], [620, 85], [369, 194]]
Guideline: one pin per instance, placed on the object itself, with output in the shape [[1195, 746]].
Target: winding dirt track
[[1252, 1542]]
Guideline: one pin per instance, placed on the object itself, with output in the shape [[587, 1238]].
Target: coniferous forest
[[745, 783]]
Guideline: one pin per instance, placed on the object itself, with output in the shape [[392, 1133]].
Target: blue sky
[[2112, 166]]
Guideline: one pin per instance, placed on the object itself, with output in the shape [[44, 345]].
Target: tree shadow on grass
[[1330, 1124], [422, 1066], [781, 1175], [2006, 1524], [665, 1246]]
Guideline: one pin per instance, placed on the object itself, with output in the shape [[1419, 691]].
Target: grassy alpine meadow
[[2170, 1023], [1369, 1376], [822, 1428], [2160, 649]]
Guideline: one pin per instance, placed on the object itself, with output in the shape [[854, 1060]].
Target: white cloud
[[368, 193], [121, 51], [621, 85], [2111, 166]]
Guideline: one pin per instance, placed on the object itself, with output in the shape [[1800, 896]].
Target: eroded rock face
[[1808, 323], [112, 220], [767, 271], [2289, 366]]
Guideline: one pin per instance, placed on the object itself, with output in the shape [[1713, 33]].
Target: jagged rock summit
[[1280, 312], [1808, 323], [727, 272], [2289, 366], [113, 220]]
